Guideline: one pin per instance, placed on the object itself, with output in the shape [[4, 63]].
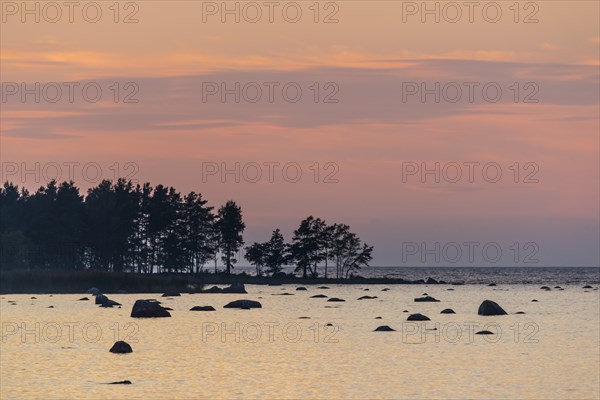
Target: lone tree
[[348, 251], [231, 227]]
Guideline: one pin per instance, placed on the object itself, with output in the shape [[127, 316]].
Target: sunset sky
[[360, 143]]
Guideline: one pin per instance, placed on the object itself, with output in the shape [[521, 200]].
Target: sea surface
[[550, 352]]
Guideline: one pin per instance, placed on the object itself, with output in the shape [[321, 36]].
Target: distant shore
[[44, 281]]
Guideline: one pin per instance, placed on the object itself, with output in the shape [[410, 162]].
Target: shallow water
[[551, 352]]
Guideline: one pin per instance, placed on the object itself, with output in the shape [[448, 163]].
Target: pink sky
[[364, 61]]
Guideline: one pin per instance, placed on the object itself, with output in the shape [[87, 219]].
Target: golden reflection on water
[[551, 352]]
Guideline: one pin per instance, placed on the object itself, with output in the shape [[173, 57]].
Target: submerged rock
[[426, 299], [148, 309], [447, 311], [243, 304], [384, 328], [489, 307], [418, 317], [322, 287], [121, 347], [202, 308]]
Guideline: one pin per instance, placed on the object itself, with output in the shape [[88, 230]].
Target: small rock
[[243, 304], [303, 317], [322, 287], [329, 324], [202, 308], [283, 294], [418, 317], [447, 311], [385, 289], [384, 328], [377, 317], [520, 312], [484, 333], [50, 306], [587, 287], [318, 296], [301, 288], [33, 298], [426, 299], [335, 299], [109, 303], [545, 288], [171, 294], [83, 299], [449, 289], [367, 297], [534, 301], [121, 347], [121, 383]]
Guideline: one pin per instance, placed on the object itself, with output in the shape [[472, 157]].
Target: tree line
[[124, 227]]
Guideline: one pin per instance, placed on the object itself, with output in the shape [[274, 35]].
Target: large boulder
[[121, 347], [148, 309], [244, 304], [417, 317], [426, 299], [236, 287], [489, 307]]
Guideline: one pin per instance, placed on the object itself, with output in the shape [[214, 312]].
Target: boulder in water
[[367, 297], [447, 311], [236, 287], [101, 299], [202, 308], [121, 347], [148, 309], [426, 299], [489, 307], [244, 304], [384, 328], [418, 317], [335, 299]]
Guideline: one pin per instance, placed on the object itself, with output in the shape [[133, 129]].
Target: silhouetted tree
[[231, 226]]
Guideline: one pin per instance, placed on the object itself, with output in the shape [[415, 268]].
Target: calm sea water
[[550, 352], [505, 275]]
